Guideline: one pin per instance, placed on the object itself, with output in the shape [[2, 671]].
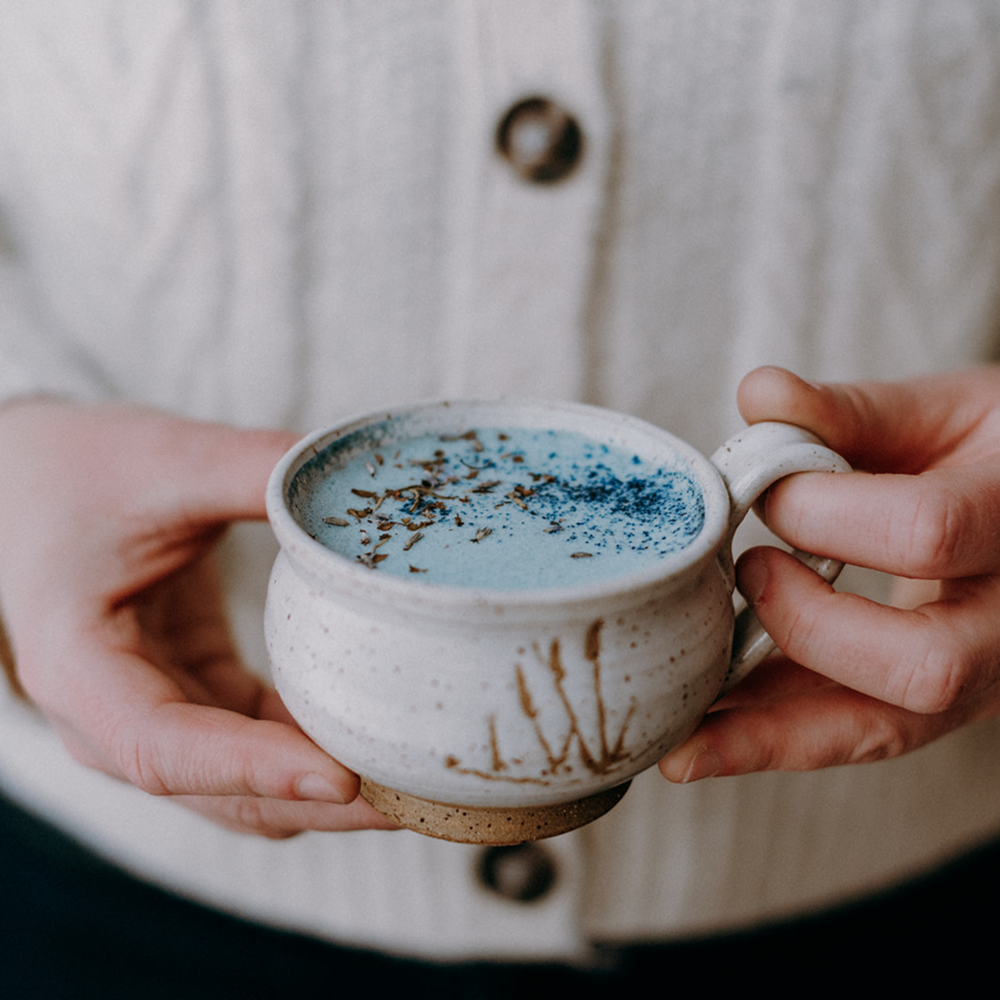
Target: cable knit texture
[[279, 213]]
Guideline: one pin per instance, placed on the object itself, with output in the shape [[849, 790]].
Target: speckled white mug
[[498, 716]]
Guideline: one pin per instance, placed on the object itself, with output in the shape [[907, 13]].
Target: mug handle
[[750, 462]]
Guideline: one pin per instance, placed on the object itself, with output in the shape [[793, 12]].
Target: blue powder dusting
[[608, 511]]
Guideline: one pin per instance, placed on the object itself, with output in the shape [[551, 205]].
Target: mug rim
[[333, 568]]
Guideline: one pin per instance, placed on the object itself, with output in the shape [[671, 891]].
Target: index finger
[[905, 426], [135, 723], [938, 525]]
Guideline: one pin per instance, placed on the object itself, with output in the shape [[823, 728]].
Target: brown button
[[522, 873], [540, 140]]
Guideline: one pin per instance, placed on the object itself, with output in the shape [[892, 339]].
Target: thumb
[[197, 478], [112, 497], [214, 472], [132, 460], [877, 426]]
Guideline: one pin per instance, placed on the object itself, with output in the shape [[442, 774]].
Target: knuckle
[[255, 816], [137, 763], [880, 738], [936, 532], [939, 680], [797, 638]]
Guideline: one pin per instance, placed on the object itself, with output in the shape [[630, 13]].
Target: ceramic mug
[[503, 710]]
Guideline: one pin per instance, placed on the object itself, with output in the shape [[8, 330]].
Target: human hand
[[116, 616], [860, 681]]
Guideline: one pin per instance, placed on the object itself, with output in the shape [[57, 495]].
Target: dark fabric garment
[[72, 925]]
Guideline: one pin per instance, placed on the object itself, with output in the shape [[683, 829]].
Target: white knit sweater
[[279, 212]]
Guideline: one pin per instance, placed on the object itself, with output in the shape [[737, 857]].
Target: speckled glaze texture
[[519, 699]]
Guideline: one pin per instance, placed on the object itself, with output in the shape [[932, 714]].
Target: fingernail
[[751, 578], [704, 764], [315, 786]]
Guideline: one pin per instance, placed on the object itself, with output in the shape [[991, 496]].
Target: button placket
[[528, 183]]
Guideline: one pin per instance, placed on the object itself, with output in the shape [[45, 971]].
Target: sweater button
[[522, 873], [540, 140]]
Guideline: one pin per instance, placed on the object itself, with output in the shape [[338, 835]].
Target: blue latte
[[496, 507]]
